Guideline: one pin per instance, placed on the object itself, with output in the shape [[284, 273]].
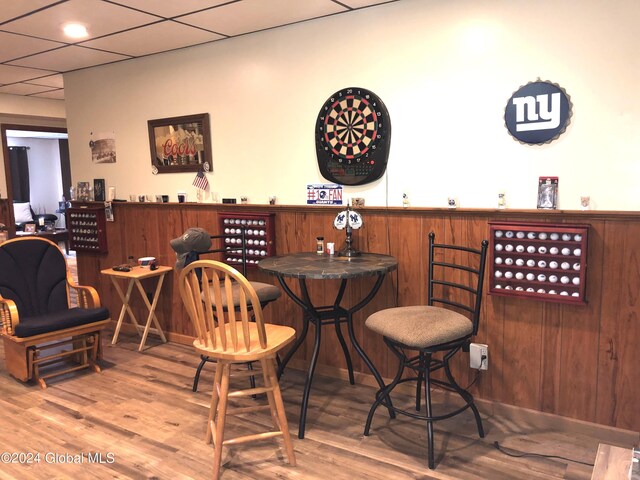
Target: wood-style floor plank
[[142, 417]]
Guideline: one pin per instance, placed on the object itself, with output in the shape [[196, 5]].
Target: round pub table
[[312, 266]]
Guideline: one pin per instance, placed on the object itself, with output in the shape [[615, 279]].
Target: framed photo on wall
[[180, 144], [98, 190], [548, 193]]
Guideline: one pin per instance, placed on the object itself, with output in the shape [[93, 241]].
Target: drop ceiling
[[34, 53]]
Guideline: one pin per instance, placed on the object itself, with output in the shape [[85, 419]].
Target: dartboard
[[353, 133]]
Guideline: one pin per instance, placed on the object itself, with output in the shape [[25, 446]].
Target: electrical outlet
[[479, 356]]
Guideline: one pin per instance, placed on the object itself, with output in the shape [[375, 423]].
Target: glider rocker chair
[[415, 333], [230, 337], [266, 292], [38, 326]]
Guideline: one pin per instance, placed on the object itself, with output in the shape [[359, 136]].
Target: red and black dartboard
[[353, 133]]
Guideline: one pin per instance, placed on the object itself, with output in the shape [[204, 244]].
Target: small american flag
[[201, 181]]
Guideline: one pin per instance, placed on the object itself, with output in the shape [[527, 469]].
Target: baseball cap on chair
[[194, 239]]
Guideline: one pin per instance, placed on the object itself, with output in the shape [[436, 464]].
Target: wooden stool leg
[[222, 416], [215, 395], [282, 417], [269, 384]]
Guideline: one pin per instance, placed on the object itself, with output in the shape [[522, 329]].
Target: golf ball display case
[[539, 261], [259, 236], [87, 229]]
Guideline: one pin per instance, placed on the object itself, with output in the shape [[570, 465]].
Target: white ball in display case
[[519, 275], [531, 276], [531, 236], [520, 235], [565, 266], [498, 274], [498, 234], [520, 262], [519, 248], [498, 247], [508, 247], [564, 279], [576, 266], [553, 264], [531, 249], [498, 260], [508, 261], [542, 263], [554, 236], [576, 280], [566, 237], [577, 252], [541, 277], [554, 250], [553, 278], [542, 249], [566, 251], [508, 234], [531, 263], [542, 236]]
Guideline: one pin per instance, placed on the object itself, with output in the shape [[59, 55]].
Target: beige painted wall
[[445, 71], [20, 110]]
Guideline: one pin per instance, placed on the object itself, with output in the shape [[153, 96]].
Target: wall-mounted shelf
[[540, 261], [259, 231], [87, 229]]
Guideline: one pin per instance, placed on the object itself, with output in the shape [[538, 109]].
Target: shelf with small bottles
[[539, 260]]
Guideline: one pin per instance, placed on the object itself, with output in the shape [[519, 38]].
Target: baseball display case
[[540, 261]]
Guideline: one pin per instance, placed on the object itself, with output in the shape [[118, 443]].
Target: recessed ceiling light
[[75, 30]]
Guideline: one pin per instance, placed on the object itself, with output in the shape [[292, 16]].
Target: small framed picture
[[83, 193], [548, 193], [30, 228], [98, 190]]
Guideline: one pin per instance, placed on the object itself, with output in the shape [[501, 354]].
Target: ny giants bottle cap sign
[[538, 113]]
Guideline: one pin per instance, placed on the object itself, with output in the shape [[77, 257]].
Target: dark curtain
[[19, 173]]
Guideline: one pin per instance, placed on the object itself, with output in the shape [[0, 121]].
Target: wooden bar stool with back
[[233, 336]]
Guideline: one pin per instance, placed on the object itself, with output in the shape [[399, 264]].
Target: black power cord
[[538, 455]]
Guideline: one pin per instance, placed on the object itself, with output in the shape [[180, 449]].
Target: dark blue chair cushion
[[52, 322], [33, 273]]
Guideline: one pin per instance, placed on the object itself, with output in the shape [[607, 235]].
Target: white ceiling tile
[[23, 89], [69, 58], [253, 15], [54, 94], [49, 81], [11, 74], [14, 46], [99, 17], [152, 39], [168, 9], [13, 9]]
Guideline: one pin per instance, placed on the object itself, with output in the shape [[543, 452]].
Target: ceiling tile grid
[[34, 51]]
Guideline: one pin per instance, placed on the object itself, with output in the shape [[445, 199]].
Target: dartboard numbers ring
[[353, 133]]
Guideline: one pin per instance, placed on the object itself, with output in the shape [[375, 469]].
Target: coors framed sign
[[180, 144]]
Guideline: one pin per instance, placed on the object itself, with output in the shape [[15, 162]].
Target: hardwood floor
[[141, 416]]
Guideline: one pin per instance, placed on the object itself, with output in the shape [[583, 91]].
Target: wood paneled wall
[[571, 360]]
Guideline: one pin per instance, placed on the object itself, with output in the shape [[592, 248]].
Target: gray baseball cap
[[194, 239]]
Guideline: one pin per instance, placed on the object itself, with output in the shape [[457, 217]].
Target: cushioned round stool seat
[[420, 326], [265, 291]]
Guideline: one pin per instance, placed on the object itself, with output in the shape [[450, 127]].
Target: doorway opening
[[42, 152]]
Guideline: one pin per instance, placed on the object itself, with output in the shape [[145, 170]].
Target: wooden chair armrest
[[9, 317], [87, 296]]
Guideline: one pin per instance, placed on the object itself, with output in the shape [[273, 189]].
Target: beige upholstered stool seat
[[420, 326], [265, 291]]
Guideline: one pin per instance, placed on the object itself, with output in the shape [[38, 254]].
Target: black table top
[[314, 266]]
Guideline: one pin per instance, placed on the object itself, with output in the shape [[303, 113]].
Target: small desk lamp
[[350, 220]]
